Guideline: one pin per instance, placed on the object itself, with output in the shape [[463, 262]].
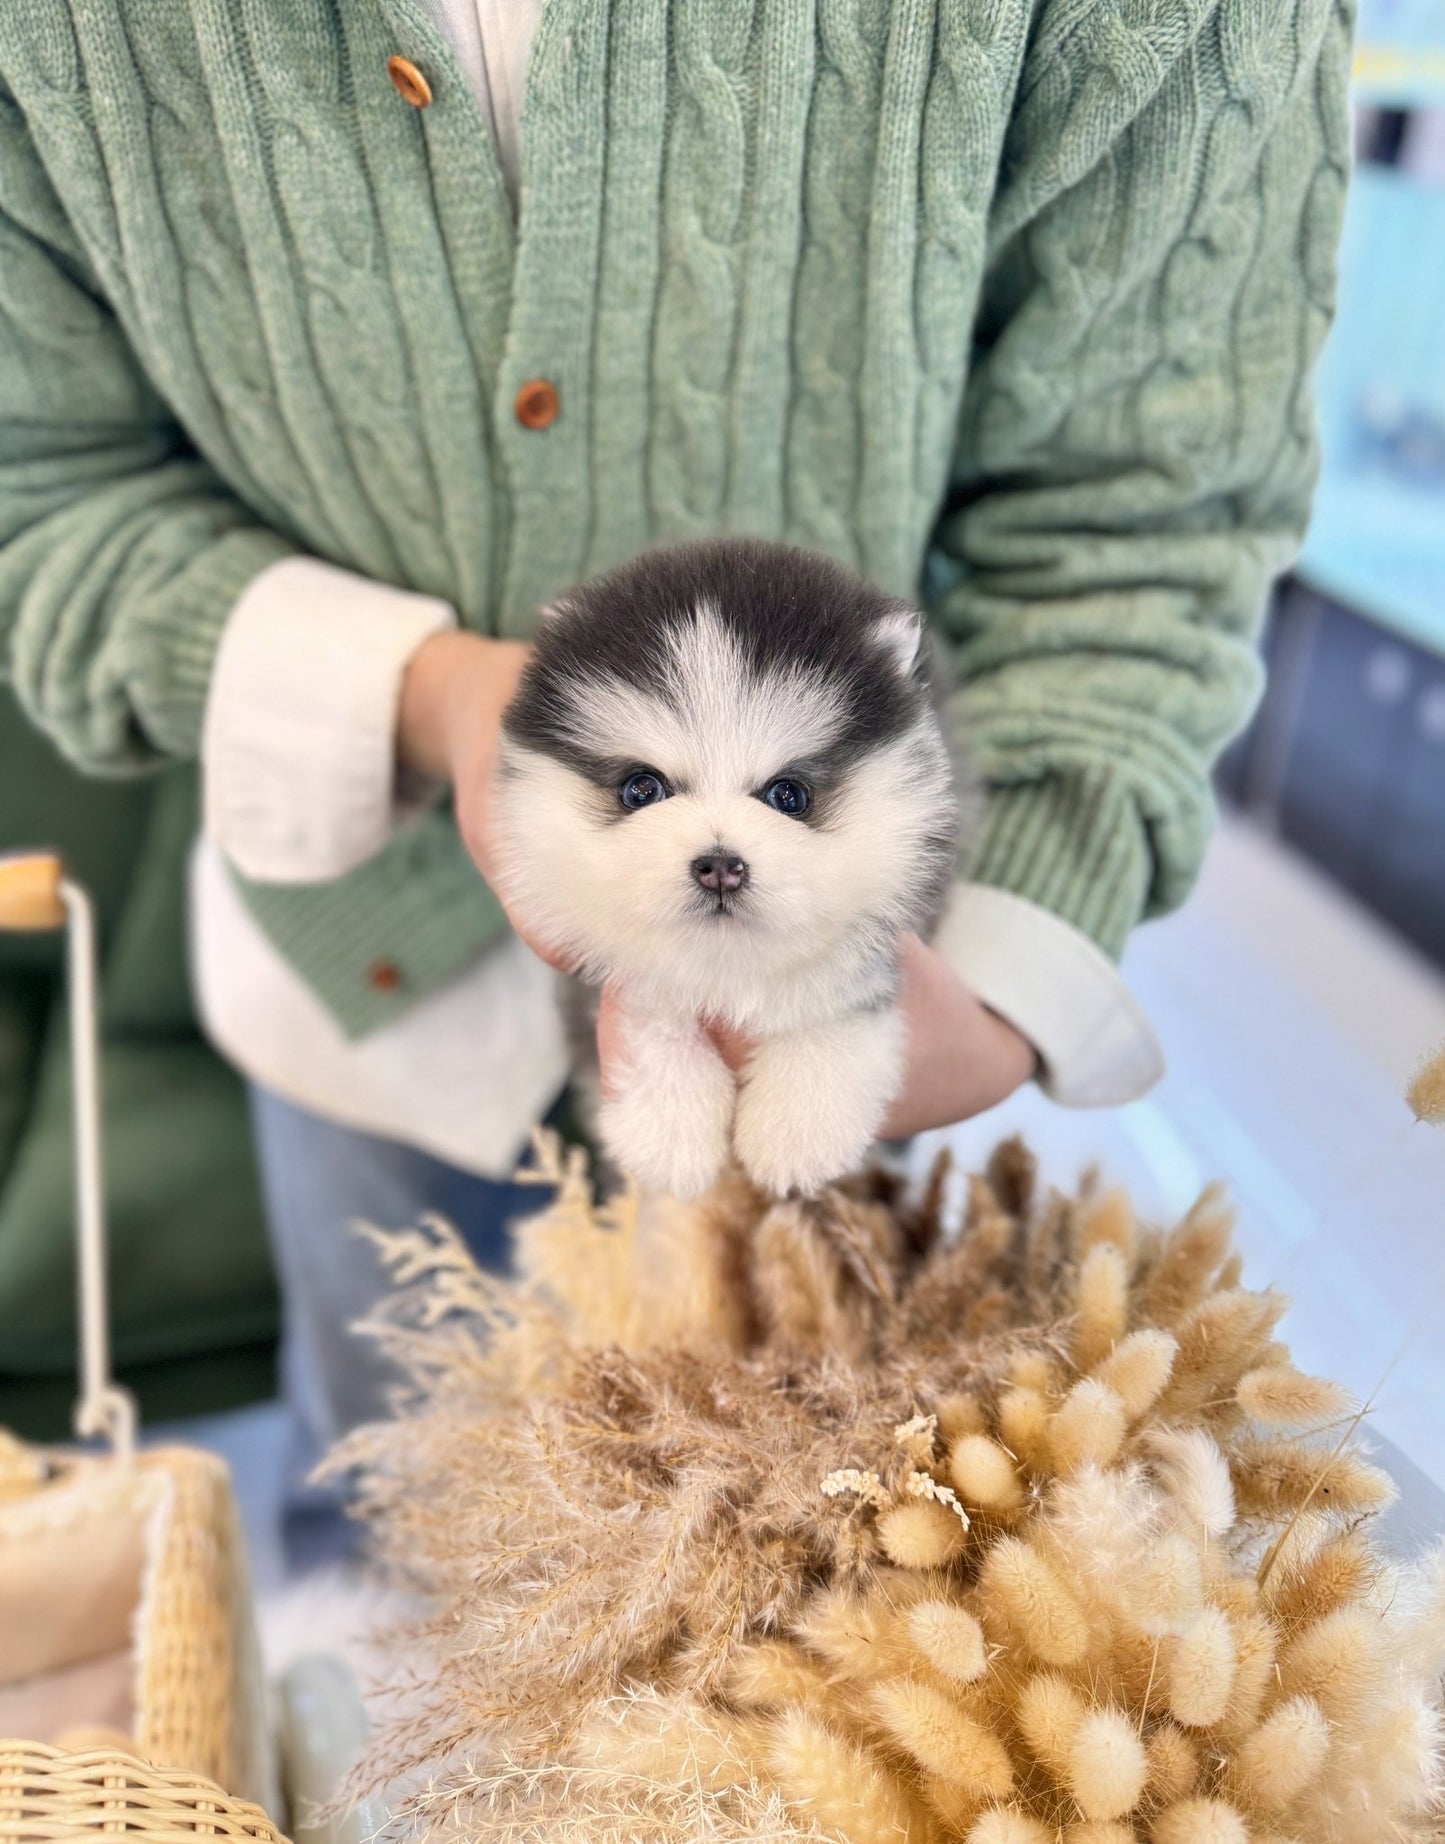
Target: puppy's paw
[[670, 1125], [812, 1103]]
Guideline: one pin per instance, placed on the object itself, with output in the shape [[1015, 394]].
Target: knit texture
[[1011, 304]]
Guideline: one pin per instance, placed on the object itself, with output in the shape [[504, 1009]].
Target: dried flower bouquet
[[758, 1521]]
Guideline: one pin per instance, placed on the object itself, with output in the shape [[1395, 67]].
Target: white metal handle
[[104, 1408], [35, 894]]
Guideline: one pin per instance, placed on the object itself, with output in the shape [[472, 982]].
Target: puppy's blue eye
[[790, 797], [644, 789]]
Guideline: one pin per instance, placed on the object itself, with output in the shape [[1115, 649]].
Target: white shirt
[[300, 785]]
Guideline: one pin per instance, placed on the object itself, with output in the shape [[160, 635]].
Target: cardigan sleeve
[[298, 749], [122, 551], [1136, 450]]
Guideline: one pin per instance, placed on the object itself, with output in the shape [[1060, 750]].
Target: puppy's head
[[721, 760]]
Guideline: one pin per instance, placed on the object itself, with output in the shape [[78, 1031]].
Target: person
[[337, 338]]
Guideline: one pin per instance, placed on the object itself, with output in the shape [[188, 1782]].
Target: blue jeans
[[318, 1180]]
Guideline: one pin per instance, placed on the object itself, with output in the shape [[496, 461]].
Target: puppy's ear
[[900, 633]]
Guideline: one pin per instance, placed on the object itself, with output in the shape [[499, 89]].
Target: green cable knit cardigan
[[1013, 304]]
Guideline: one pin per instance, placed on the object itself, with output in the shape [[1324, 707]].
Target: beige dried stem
[[1426, 1098], [1426, 1093], [1276, 1549]]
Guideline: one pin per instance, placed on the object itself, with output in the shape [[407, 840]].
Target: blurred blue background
[[1400, 54], [1346, 761]]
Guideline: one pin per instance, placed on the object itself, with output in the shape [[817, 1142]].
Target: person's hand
[[961, 1060], [449, 726]]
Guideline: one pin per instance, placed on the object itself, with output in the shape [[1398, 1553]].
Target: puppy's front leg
[[670, 1123], [812, 1102]]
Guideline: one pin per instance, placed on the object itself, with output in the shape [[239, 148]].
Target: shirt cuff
[[298, 748], [1057, 989]]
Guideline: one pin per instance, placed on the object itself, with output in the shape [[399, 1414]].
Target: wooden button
[[538, 406], [409, 81], [384, 975]]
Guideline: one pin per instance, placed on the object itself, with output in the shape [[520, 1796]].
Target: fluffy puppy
[[723, 785]]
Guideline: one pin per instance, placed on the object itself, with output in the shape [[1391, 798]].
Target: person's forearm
[[122, 551]]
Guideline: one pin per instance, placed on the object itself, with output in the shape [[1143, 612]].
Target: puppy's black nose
[[720, 871]]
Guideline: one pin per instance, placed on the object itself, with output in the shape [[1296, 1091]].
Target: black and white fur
[[723, 669]]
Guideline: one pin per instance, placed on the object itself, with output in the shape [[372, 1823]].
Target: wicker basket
[[47, 1796], [125, 1603]]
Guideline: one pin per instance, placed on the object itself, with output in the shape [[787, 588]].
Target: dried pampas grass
[[754, 1521]]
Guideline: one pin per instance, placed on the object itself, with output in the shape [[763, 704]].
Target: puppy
[[723, 785]]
